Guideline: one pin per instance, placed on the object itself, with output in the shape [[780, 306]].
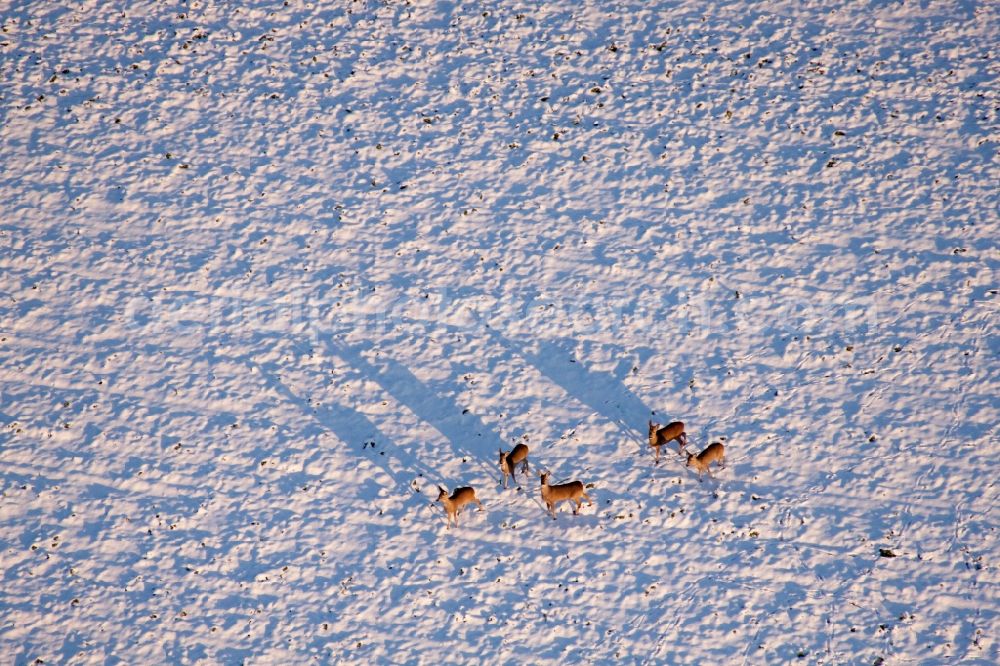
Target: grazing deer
[[509, 461], [458, 499], [572, 491], [713, 453], [670, 432]]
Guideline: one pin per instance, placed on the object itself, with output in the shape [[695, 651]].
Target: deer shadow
[[350, 427], [602, 392], [453, 422]]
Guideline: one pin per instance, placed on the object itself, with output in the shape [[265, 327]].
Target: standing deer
[[713, 453], [572, 491], [458, 499], [670, 432], [509, 461]]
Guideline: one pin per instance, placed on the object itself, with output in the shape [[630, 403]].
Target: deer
[[509, 461], [458, 499], [571, 491], [713, 453], [671, 432]]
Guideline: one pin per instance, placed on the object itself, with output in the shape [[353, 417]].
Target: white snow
[[271, 272]]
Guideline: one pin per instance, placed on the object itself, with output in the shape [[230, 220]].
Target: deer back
[[519, 453], [462, 496], [712, 453], [562, 491], [669, 432]]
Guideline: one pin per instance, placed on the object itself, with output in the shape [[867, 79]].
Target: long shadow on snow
[[350, 426], [435, 409], [602, 392]]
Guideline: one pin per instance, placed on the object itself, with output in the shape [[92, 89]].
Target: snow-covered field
[[272, 271]]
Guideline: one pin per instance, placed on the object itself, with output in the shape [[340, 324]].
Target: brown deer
[[458, 499], [571, 491], [671, 432], [509, 462], [713, 453]]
